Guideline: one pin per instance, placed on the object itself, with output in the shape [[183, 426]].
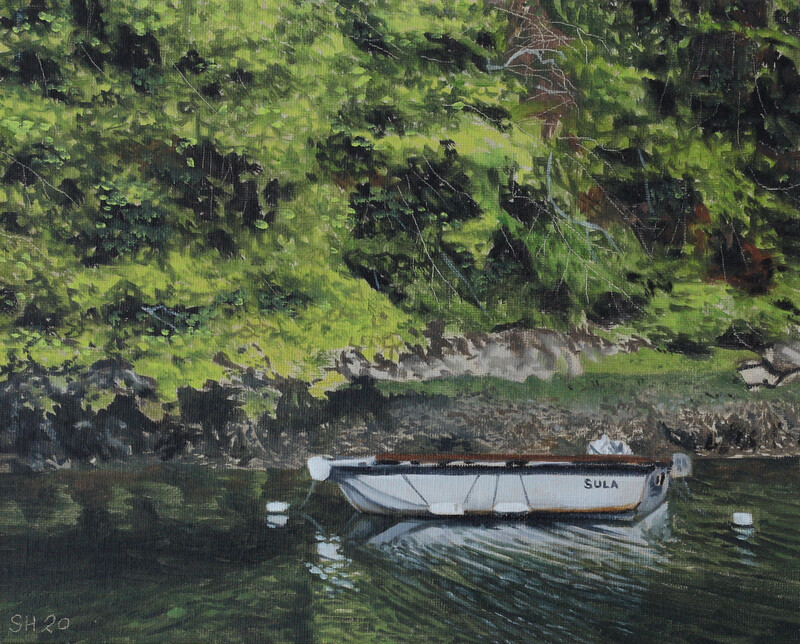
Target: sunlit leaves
[[225, 163]]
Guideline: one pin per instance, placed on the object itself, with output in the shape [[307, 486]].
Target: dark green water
[[189, 554]]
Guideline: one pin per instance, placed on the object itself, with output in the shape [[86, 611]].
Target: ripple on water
[[682, 572], [196, 554]]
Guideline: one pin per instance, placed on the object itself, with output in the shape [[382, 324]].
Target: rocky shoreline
[[109, 413], [477, 424], [361, 420]]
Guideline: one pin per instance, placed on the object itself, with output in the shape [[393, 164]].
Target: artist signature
[[29, 624]]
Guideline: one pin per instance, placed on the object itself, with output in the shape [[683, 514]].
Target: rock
[[784, 357], [758, 374], [514, 354], [604, 445], [779, 365], [119, 376]]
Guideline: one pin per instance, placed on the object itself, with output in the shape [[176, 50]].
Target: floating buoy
[[277, 520], [742, 520]]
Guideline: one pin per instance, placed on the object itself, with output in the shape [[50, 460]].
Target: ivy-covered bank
[[195, 194]]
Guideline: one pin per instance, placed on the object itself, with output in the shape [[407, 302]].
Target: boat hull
[[602, 488]]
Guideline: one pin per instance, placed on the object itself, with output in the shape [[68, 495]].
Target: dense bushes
[[180, 182]]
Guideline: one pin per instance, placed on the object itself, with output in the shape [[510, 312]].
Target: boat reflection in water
[[556, 580], [464, 539]]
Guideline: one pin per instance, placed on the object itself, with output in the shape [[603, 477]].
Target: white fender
[[681, 466], [319, 467]]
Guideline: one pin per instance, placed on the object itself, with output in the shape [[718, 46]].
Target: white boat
[[595, 485]]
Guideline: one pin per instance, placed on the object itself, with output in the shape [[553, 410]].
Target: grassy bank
[[646, 374]]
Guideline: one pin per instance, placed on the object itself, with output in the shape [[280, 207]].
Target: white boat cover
[[604, 445]]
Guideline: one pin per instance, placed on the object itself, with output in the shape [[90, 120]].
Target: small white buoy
[[277, 520], [277, 506], [742, 520]]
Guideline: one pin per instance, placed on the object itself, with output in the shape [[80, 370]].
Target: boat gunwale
[[390, 458], [464, 469], [500, 468]]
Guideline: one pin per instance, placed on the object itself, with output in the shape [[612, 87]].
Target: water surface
[[177, 553]]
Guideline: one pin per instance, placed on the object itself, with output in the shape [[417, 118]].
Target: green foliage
[[180, 180], [125, 222]]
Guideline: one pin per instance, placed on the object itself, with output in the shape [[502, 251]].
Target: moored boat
[[594, 485]]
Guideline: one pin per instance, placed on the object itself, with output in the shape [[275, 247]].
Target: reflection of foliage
[[185, 527]]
